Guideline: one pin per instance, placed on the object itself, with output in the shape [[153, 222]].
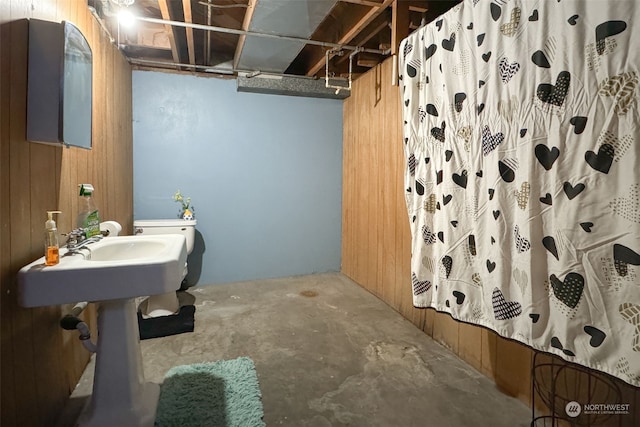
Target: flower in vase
[[185, 202]]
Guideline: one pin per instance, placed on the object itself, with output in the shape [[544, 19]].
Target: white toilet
[[165, 304]]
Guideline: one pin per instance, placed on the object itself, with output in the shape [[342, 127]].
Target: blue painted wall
[[264, 173]]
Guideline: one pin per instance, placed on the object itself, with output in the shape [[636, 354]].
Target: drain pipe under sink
[[71, 321]]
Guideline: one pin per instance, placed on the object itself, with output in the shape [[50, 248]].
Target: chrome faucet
[[77, 240]]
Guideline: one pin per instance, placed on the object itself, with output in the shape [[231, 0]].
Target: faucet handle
[[80, 232], [76, 236]]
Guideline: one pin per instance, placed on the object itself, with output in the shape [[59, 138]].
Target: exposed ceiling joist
[[418, 6], [376, 26], [374, 29], [287, 37], [166, 15], [186, 6], [399, 24], [351, 32], [369, 3], [367, 60], [248, 16]]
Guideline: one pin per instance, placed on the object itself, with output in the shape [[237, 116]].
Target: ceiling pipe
[[251, 33], [209, 68], [207, 44], [222, 6], [338, 88], [327, 57], [220, 70]]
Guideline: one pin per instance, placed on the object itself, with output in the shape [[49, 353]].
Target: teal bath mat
[[218, 394]]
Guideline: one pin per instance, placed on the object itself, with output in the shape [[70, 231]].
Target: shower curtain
[[522, 146]]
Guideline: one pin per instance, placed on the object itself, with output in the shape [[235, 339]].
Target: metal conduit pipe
[[251, 33], [210, 68], [229, 71], [223, 6]]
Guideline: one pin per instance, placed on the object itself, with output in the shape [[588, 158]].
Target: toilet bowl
[[165, 304]]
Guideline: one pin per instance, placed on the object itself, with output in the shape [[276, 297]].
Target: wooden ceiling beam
[[414, 5], [367, 60], [248, 16], [418, 6], [350, 34], [379, 24], [399, 24], [166, 15], [186, 7], [369, 3]]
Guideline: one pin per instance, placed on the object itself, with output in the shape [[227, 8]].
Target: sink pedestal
[[119, 269], [120, 397]]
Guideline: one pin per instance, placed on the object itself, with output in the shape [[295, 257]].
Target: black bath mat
[[163, 326]]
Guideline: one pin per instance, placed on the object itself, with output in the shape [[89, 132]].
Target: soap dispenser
[[51, 246]]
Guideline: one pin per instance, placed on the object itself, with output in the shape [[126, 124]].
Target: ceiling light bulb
[[126, 18]]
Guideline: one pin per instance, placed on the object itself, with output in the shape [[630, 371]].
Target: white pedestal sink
[[112, 272]]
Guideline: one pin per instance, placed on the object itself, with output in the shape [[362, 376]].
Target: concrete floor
[[327, 353]]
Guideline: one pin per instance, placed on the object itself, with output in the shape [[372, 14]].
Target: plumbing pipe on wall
[[336, 52], [72, 322]]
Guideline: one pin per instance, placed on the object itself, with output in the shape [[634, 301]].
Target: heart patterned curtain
[[522, 144]]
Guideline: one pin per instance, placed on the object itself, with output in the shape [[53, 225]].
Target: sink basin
[[118, 250], [113, 268]]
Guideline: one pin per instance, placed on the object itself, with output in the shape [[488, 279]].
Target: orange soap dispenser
[[51, 246]]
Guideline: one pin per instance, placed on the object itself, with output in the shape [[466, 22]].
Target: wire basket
[[562, 385]]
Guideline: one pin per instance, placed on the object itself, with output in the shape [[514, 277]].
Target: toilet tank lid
[[165, 222]]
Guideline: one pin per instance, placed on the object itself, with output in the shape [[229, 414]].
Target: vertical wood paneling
[[389, 187], [376, 241], [6, 325], [371, 199], [20, 220], [488, 350], [41, 363], [513, 368], [445, 330], [362, 179], [470, 344]]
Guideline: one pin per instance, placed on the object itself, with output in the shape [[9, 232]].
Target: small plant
[[185, 202]]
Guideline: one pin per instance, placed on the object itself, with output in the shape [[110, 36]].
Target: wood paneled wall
[[376, 245], [41, 363]]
